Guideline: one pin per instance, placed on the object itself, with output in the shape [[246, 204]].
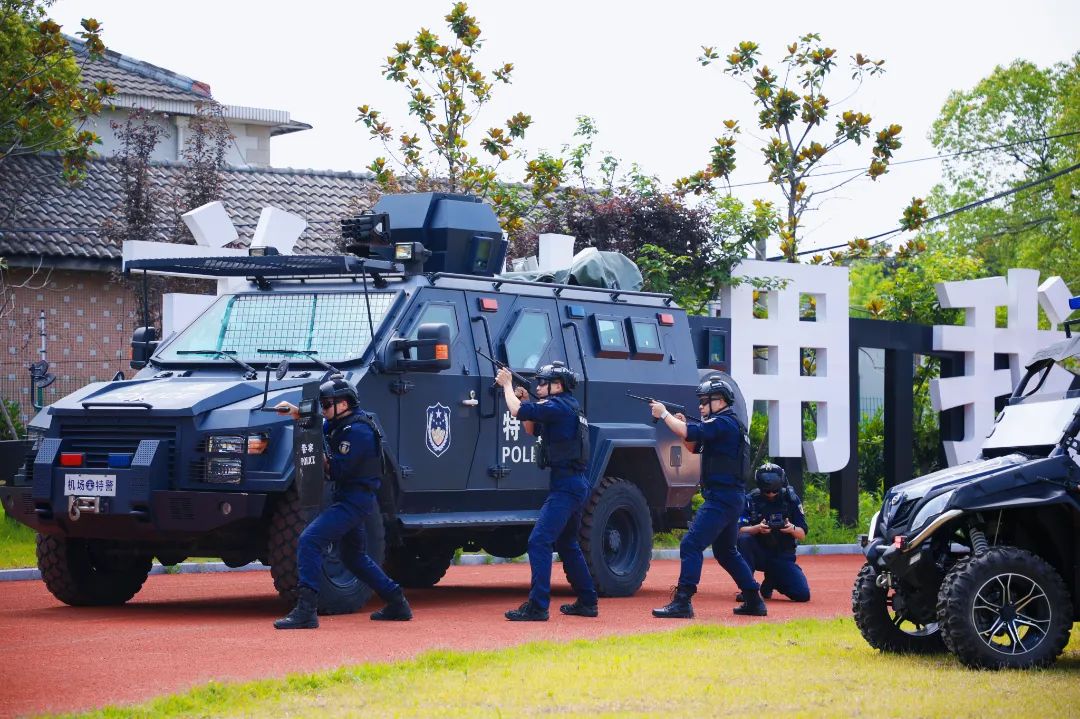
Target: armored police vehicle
[[983, 559], [188, 459]]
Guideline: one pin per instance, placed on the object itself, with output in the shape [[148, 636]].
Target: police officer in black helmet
[[722, 441], [772, 527], [353, 444], [563, 433]]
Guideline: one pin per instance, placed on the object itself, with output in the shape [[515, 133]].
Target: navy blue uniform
[[350, 446], [560, 518], [774, 553], [717, 520]]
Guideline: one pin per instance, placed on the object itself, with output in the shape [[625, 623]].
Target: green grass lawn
[[798, 669], [16, 544]]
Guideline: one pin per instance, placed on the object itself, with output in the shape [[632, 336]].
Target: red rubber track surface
[[184, 630]]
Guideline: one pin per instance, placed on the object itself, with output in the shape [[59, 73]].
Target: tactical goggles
[[326, 402]]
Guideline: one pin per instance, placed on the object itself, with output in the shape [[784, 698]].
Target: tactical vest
[[738, 466], [370, 466], [786, 502], [568, 453]]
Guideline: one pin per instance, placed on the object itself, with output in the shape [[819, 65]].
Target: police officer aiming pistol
[[353, 444], [722, 441], [773, 526], [563, 439]]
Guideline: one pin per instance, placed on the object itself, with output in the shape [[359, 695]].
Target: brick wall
[[89, 318]]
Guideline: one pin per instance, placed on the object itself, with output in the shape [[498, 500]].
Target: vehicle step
[[462, 519]]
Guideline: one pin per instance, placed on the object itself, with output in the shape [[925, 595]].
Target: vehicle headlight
[[872, 531], [931, 509], [225, 444], [224, 471], [238, 444]]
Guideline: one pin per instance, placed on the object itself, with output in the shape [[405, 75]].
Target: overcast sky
[[630, 65]]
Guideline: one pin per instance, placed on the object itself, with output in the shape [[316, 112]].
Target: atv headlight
[[871, 533], [930, 510], [225, 444]]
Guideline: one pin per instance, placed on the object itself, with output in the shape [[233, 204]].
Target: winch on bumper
[[131, 497]]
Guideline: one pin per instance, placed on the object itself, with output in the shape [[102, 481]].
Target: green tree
[[43, 103], [687, 250], [447, 90], [1018, 109], [793, 112]]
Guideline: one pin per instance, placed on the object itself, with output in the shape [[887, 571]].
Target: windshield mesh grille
[[335, 325]]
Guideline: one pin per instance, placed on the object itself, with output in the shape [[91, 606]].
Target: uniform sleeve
[[797, 517], [346, 460], [746, 518], [543, 411], [711, 431]]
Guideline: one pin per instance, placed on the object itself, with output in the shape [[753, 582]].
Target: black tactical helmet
[[714, 386], [337, 388], [557, 371], [770, 477]]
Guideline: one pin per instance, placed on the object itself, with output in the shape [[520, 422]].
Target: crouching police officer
[[722, 441], [354, 454], [774, 524], [564, 447]]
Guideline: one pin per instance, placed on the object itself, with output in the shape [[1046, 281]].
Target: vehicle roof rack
[[279, 266]]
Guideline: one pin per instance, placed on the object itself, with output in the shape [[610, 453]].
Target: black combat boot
[[302, 616], [679, 607], [580, 609], [397, 609], [752, 604], [527, 612], [766, 592]]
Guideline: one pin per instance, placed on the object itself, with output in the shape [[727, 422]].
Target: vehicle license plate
[[90, 485]]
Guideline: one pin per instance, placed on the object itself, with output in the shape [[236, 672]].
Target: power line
[[927, 158], [949, 213]]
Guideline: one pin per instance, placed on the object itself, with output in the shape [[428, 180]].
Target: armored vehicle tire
[[616, 537], [340, 592], [884, 625], [418, 565], [80, 572], [1005, 608]]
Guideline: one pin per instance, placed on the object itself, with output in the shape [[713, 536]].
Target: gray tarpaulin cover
[[590, 268]]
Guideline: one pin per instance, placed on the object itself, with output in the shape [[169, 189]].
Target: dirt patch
[[184, 630]]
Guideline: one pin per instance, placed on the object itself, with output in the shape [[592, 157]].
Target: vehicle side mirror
[[144, 342], [432, 345]]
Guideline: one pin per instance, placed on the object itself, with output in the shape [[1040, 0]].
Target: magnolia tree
[[43, 103], [447, 90], [802, 129]]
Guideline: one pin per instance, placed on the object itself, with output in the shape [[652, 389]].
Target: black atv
[[983, 559]]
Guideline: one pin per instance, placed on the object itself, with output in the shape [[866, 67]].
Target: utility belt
[[721, 484]]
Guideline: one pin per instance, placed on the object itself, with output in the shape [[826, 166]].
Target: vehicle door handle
[[472, 401]]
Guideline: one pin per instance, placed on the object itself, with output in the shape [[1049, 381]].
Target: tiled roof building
[[62, 285]]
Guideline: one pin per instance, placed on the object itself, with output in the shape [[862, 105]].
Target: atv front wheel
[[890, 621], [616, 537], [1005, 608], [84, 573]]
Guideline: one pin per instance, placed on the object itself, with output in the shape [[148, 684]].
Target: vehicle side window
[[646, 340], [440, 313], [611, 337], [526, 342]]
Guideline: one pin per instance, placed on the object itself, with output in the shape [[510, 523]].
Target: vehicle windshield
[[1032, 423], [333, 324]]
